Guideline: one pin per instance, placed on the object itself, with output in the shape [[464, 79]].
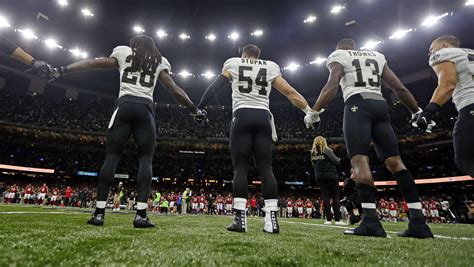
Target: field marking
[[391, 232], [282, 221]]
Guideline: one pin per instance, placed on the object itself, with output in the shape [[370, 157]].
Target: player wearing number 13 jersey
[[140, 66], [251, 129], [366, 120]]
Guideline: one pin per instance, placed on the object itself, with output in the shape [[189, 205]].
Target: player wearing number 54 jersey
[[140, 66], [252, 128], [366, 120], [454, 67]]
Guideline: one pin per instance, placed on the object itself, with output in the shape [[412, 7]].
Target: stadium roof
[[299, 32]]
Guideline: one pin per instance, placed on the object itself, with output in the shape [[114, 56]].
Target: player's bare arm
[[405, 96], [447, 80], [220, 82], [336, 72], [287, 90], [180, 95]]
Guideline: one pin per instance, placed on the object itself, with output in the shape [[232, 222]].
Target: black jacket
[[325, 165]]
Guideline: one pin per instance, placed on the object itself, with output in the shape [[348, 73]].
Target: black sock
[[141, 213], [99, 211], [367, 199], [410, 193]]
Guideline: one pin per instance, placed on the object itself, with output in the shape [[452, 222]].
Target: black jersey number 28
[[128, 77], [260, 80]]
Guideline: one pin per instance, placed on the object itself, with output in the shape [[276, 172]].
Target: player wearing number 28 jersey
[[366, 120], [252, 128], [140, 66]]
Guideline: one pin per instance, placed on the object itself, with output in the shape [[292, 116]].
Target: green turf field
[[44, 236]]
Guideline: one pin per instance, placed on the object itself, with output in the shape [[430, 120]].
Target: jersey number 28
[[260, 80], [128, 77]]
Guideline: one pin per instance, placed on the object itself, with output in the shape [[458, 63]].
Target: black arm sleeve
[[332, 156], [218, 83], [7, 46]]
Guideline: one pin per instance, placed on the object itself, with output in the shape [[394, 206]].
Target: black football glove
[[200, 116], [57, 72], [40, 68], [423, 119]]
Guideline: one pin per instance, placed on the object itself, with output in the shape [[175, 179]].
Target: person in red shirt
[[55, 197], [433, 204], [202, 203], [194, 204], [253, 206], [228, 204], [405, 208], [384, 209], [27, 194], [299, 206], [42, 194], [309, 208], [67, 195], [289, 208], [393, 209], [219, 204], [11, 196]]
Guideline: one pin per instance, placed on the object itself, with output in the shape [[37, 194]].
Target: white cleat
[[327, 222], [340, 223]]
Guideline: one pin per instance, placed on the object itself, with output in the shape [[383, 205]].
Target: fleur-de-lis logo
[[354, 108]]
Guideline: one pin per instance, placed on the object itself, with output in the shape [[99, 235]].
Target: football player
[[42, 194], [141, 65], [38, 67], [454, 67], [366, 120], [252, 128]]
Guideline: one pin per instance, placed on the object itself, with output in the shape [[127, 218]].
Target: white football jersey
[[136, 83], [362, 71], [463, 59], [251, 81]]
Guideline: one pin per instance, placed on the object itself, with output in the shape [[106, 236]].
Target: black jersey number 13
[[260, 80], [128, 77], [376, 73]]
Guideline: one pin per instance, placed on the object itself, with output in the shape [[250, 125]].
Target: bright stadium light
[[161, 34], [185, 74], [399, 34], [370, 45], [211, 37], [257, 33], [62, 2], [78, 53], [336, 9], [469, 3], [51, 43], [184, 36], [4, 22], [292, 66], [138, 29], [310, 19], [86, 12], [319, 60], [432, 20], [234, 36], [208, 74], [28, 34]]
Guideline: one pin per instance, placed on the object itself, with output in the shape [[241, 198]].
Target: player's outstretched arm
[[216, 85], [447, 80], [10, 48], [336, 72], [287, 90], [180, 95], [85, 65], [405, 96]]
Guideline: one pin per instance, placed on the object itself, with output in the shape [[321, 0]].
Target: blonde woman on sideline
[[324, 162]]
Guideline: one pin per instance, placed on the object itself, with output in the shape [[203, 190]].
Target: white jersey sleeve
[[362, 71], [463, 60], [133, 82], [251, 81]]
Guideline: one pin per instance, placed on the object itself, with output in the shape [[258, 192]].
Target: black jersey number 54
[[128, 77], [260, 80]]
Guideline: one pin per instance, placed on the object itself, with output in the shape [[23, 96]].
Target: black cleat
[[271, 223], [353, 219], [140, 222], [240, 222], [365, 228], [417, 230], [97, 220]]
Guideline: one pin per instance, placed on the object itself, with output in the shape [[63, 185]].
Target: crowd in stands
[[173, 121], [438, 207]]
